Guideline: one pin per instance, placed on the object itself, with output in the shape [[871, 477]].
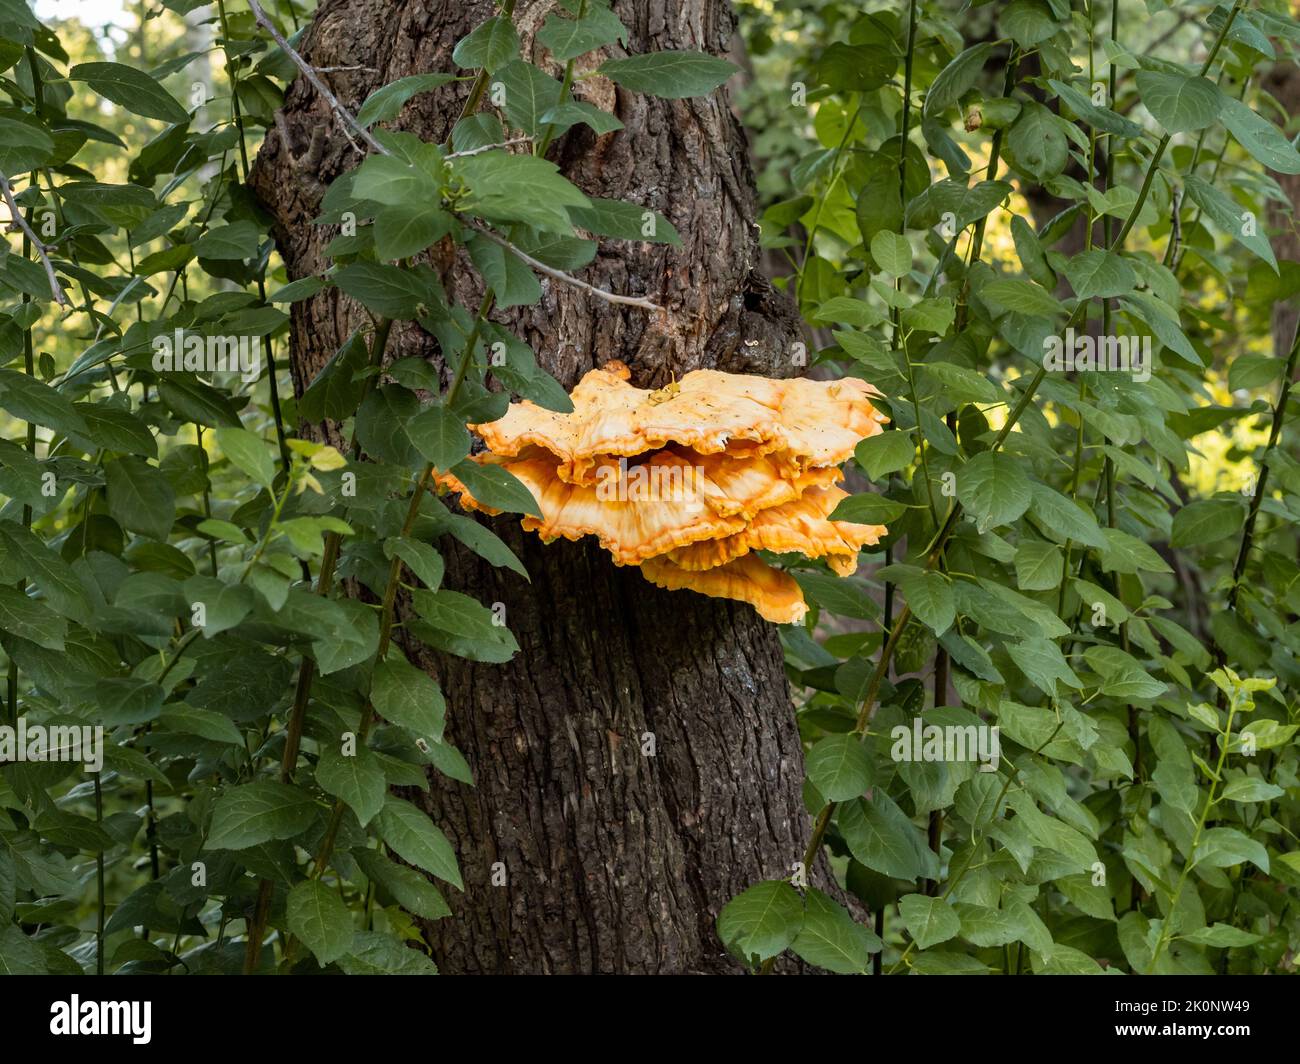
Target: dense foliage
[[955, 196], [1057, 566]]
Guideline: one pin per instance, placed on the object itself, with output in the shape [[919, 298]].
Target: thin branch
[[55, 288], [560, 275], [310, 74], [488, 147]]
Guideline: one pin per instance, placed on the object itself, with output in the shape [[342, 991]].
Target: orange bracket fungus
[[687, 482]]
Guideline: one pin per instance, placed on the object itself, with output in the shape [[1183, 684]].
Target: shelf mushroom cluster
[[687, 482]]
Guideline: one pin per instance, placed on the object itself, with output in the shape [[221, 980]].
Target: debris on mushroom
[[688, 481]]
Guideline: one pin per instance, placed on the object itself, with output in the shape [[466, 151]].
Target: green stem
[[99, 882], [566, 86], [1190, 863], [1275, 433], [389, 601], [481, 82], [267, 350], [307, 676]]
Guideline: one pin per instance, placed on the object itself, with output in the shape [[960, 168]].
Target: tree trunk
[[614, 859]]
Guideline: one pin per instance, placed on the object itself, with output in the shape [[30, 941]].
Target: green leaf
[[1228, 215], [627, 221], [30, 620], [1043, 664], [116, 430], [236, 241], [1013, 294], [492, 44], [1093, 900], [409, 697], [258, 812], [29, 399], [409, 889], [966, 205], [519, 188], [568, 38], [205, 723], [337, 389], [20, 954], [854, 67], [529, 94], [394, 182], [831, 939], [987, 927], [303, 288], [461, 625], [1179, 102], [140, 497], [1251, 789], [497, 487], [573, 112], [391, 291], [880, 836], [761, 922], [994, 489], [1260, 137], [1206, 521], [956, 78], [378, 954], [1028, 22], [415, 838], [24, 146], [1039, 566], [423, 560], [320, 918], [930, 598], [1163, 322], [1222, 936], [440, 437], [386, 103], [54, 577], [131, 88], [1100, 118], [1100, 273], [511, 279], [250, 453], [671, 75], [1063, 518], [928, 920], [885, 453], [1227, 847], [838, 766], [357, 778], [408, 228], [892, 253], [1036, 142], [1128, 554], [867, 509], [1121, 675]]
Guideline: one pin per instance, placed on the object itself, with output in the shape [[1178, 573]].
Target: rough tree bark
[[615, 861], [1283, 81]]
